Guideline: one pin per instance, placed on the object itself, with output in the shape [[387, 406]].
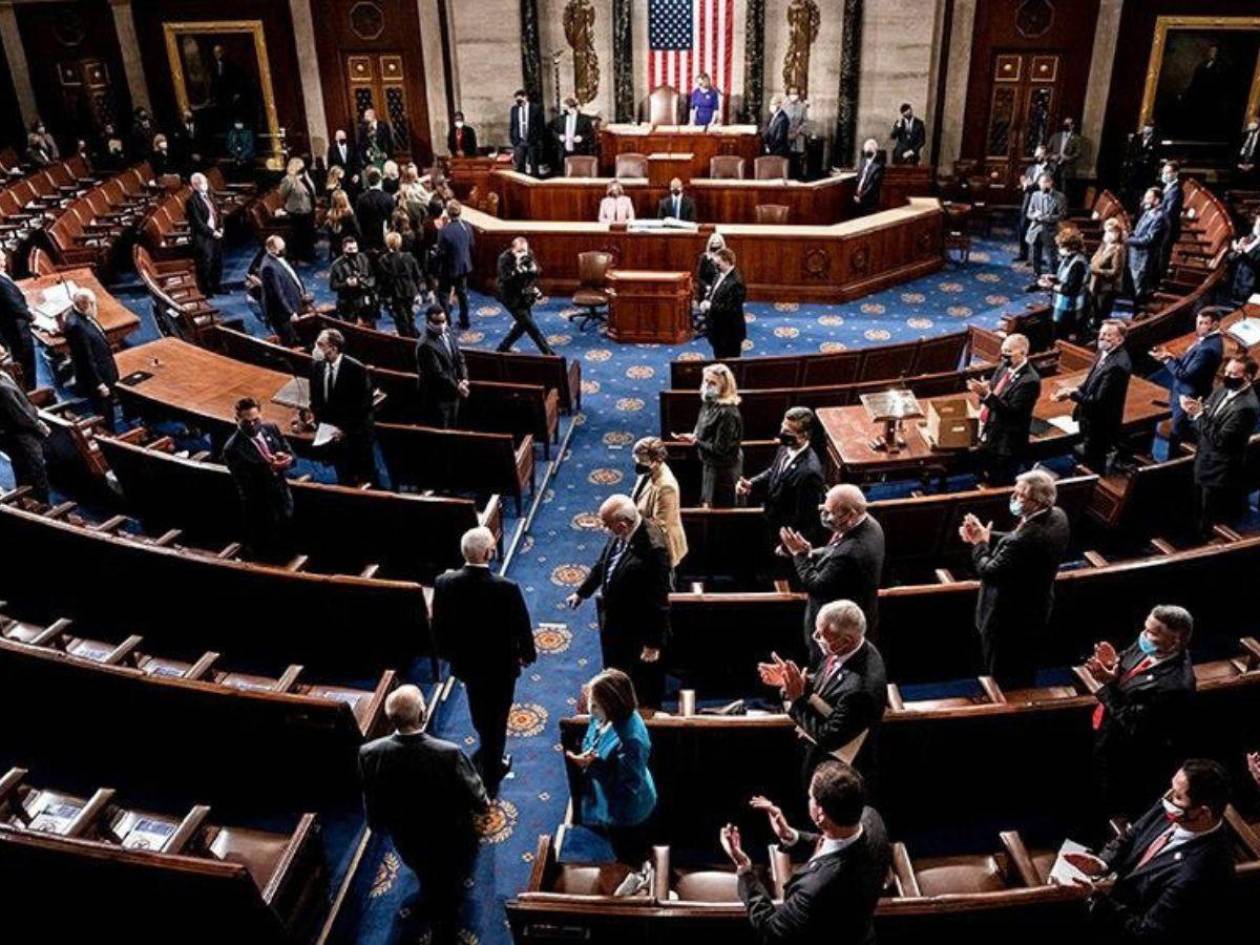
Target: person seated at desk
[[616, 206], [461, 141], [871, 180], [677, 206], [703, 103]]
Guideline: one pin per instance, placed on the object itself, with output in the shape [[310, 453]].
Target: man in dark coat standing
[[1017, 571], [1100, 397], [443, 373], [455, 245], [1225, 423], [95, 371], [425, 795], [1007, 401], [632, 577], [725, 307], [283, 294], [790, 489], [342, 398], [257, 456], [373, 210], [1192, 372], [206, 223], [22, 434], [15, 325], [482, 627], [908, 136], [376, 140], [344, 154], [525, 132], [461, 140], [518, 291], [776, 137]]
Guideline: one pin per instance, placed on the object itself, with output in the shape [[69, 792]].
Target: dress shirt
[[829, 844]]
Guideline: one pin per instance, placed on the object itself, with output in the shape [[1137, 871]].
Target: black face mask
[[1006, 360], [787, 439], [869, 154], [676, 193], [1233, 383], [250, 427], [642, 469]]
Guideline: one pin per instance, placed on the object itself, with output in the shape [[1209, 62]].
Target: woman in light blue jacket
[[618, 794]]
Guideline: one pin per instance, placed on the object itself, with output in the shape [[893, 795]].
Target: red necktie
[[1100, 710], [261, 443], [1003, 382], [1156, 846], [459, 140]]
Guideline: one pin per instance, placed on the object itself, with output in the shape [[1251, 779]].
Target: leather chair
[[581, 165], [726, 167], [630, 165], [40, 263], [592, 292], [770, 167], [773, 213], [662, 106]]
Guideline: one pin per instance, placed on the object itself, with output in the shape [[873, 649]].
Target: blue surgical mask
[[1017, 507], [1146, 644]]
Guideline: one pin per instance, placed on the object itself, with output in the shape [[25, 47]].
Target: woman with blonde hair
[[297, 195], [1107, 268], [616, 207], [340, 223], [717, 437], [656, 494]]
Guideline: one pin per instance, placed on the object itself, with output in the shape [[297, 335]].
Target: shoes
[[1032, 287]]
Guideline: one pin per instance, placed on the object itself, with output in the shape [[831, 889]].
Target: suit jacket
[[583, 128], [187, 142], [264, 493], [726, 311], [1017, 571], [455, 248], [18, 416], [777, 140], [635, 590], [848, 569], [349, 404], [440, 369], [382, 138], [908, 138], [424, 793], [352, 299], [1246, 272], [1170, 206], [1146, 243], [1144, 722], [468, 143], [1045, 210], [89, 353], [373, 210], [835, 710], [15, 316], [481, 625], [1194, 371], [659, 502], [398, 276], [869, 182], [1064, 148], [686, 208], [199, 219], [1176, 896], [1100, 397], [790, 491], [534, 129], [281, 292], [830, 899], [349, 161], [515, 281], [1223, 434], [1010, 412]]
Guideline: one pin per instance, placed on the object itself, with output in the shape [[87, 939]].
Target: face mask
[[251, 427], [642, 469], [676, 193], [598, 714], [1233, 383], [869, 154], [794, 97], [1006, 360], [787, 439], [1146, 644], [1104, 345], [1171, 810], [1111, 236], [1017, 507], [437, 331], [352, 252], [459, 124], [827, 520], [319, 354], [709, 392]]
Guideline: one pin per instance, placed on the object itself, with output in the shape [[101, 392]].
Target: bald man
[[632, 577], [848, 567]]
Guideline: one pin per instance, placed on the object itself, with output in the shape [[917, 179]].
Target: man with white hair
[[482, 627], [206, 223], [95, 373], [1017, 571], [424, 793], [1007, 401], [283, 294], [632, 577], [871, 178], [848, 567]]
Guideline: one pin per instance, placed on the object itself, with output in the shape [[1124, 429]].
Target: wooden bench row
[[90, 230], [30, 198]]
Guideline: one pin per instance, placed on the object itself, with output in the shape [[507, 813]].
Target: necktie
[[1157, 845], [677, 207], [568, 132], [1100, 710], [828, 666], [524, 120], [261, 442], [1003, 382], [614, 558], [459, 139], [450, 351], [328, 381]]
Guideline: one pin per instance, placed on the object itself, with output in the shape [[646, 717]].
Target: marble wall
[[486, 67], [898, 64]]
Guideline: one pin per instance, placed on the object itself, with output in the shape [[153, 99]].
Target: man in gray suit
[[797, 111], [1046, 208], [1040, 165], [1065, 150]]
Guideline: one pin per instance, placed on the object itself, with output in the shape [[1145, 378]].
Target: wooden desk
[[469, 172], [650, 307], [1231, 347], [664, 166], [849, 433], [903, 181], [117, 320], [702, 143]]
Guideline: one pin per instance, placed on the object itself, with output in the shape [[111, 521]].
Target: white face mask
[[459, 124], [1111, 236], [319, 354]]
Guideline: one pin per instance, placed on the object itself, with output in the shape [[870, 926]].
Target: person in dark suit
[[1248, 155], [161, 160], [1046, 208], [1029, 185], [1171, 203], [425, 794], [341, 396], [206, 224], [1173, 867], [908, 136], [22, 434], [343, 154], [790, 489], [1100, 397], [838, 706], [1193, 372], [632, 577], [95, 371], [16, 319], [352, 277], [848, 567], [1244, 257], [574, 132], [1146, 247], [1138, 168], [832, 898], [1224, 423], [455, 244], [257, 456], [443, 373], [870, 180], [1007, 400], [400, 284], [518, 291], [461, 140], [1144, 707], [373, 209], [482, 627], [376, 140], [525, 132], [1017, 571], [677, 205], [189, 143], [776, 137], [283, 296], [724, 307]]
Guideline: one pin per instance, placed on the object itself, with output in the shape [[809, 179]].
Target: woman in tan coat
[[657, 496], [1107, 268]]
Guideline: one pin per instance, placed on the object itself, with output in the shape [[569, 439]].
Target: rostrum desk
[[702, 143], [649, 307]]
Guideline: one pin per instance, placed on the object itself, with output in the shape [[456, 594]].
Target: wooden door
[[375, 80], [1023, 111]]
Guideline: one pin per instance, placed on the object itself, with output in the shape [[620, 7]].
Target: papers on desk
[[324, 434], [669, 223], [1064, 873], [1247, 331], [296, 394], [1066, 424], [52, 302]]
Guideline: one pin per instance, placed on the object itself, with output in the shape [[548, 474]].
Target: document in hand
[[324, 434], [1066, 424], [1064, 873]]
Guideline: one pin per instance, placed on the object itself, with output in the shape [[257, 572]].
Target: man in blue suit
[[1145, 245], [1192, 373], [776, 139], [283, 295], [455, 254], [1170, 206]]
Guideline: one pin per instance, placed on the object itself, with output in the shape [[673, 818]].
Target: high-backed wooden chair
[[40, 263], [581, 165], [663, 105], [770, 167], [774, 213], [630, 165], [592, 291], [726, 167]]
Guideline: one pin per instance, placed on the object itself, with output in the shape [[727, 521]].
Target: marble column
[[437, 96], [850, 73], [308, 72], [18, 66], [129, 45], [623, 60], [754, 61], [531, 51], [1106, 36], [956, 79]]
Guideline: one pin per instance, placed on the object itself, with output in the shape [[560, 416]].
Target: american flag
[[688, 37]]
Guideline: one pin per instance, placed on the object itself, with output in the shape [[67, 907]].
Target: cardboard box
[[952, 423]]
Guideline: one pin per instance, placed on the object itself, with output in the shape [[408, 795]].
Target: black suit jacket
[[18, 416], [1146, 714], [686, 208], [1100, 397], [1176, 896], [832, 898], [835, 710], [726, 311], [469, 142], [583, 128], [440, 370], [534, 130], [1010, 412], [514, 280], [1223, 434], [349, 405], [424, 793], [350, 162], [90, 354], [911, 138], [15, 318], [849, 569], [1017, 571], [264, 493], [790, 491], [481, 625], [868, 185], [199, 220], [373, 210], [635, 592], [382, 138], [776, 140]]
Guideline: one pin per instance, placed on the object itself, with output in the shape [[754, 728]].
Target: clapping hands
[[778, 823], [794, 542], [973, 532], [1105, 663], [731, 845]]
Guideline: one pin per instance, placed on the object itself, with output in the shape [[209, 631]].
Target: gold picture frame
[[174, 31], [1165, 24]]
